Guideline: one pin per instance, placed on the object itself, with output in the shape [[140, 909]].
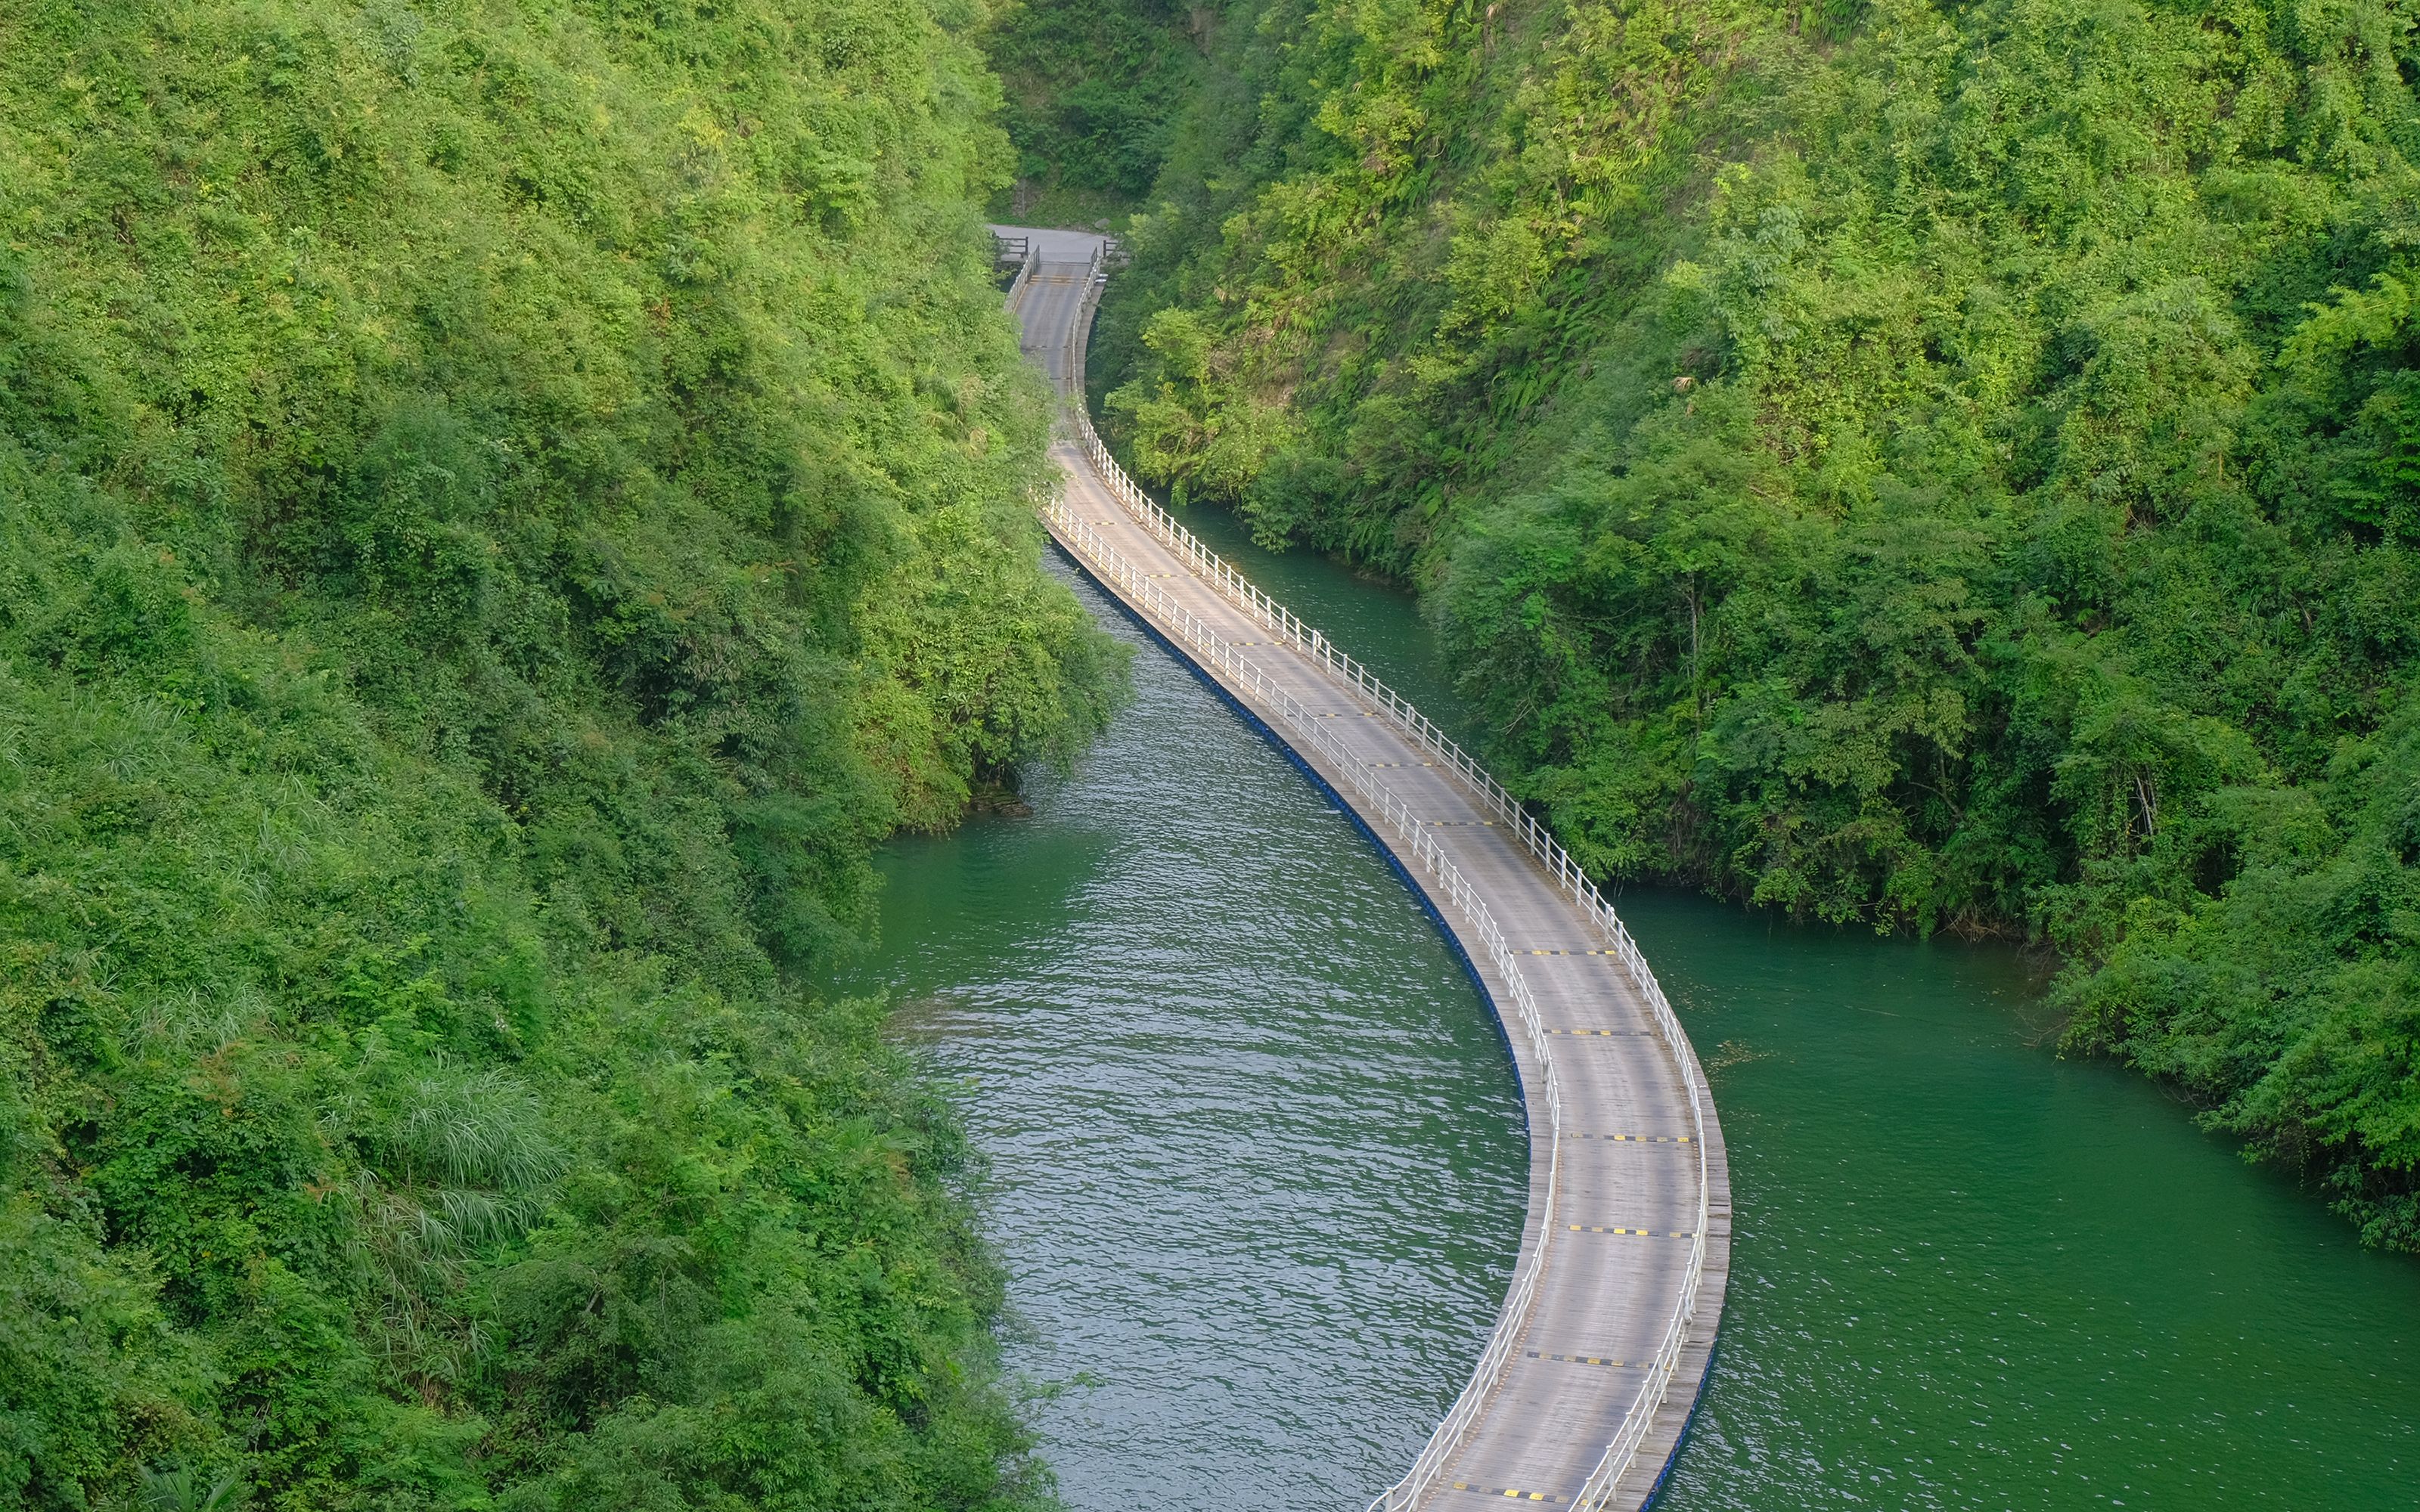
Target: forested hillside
[[500, 507], [1093, 97], [1929, 465]]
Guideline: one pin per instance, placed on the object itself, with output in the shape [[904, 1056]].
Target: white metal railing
[[1549, 854], [1425, 852]]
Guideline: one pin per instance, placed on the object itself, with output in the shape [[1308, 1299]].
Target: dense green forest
[[1927, 466], [500, 507], [1094, 95]]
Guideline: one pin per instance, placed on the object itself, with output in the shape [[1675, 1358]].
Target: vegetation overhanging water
[[502, 508], [1969, 1274], [1914, 464]]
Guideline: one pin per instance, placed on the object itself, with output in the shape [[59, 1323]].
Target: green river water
[[1256, 1164]]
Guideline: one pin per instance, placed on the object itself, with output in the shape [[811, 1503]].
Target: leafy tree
[[1927, 466], [500, 509]]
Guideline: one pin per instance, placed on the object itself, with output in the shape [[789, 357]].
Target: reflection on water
[[1257, 1165], [1257, 1159], [1968, 1273]]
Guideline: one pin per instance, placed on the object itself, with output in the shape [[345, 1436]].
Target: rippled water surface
[[1257, 1159]]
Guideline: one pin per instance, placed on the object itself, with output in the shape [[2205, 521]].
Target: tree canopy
[[501, 507], [1927, 466]]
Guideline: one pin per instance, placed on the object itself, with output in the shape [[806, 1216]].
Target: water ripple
[[1257, 1162]]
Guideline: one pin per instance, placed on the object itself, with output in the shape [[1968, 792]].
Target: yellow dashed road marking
[[1508, 1491], [1635, 1233]]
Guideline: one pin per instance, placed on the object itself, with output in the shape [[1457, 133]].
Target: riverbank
[[1827, 511], [1973, 1273], [1968, 1272], [1257, 1159], [502, 509]]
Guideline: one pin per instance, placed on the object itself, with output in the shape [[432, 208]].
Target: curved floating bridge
[[1581, 1395]]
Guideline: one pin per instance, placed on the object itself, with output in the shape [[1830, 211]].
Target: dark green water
[[1968, 1273], [1257, 1159]]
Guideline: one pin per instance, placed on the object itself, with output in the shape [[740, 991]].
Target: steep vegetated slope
[[500, 506], [1093, 97], [1938, 466]]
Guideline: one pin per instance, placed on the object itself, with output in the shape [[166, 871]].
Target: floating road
[[1586, 1385]]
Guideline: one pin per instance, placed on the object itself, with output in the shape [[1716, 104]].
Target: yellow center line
[[1577, 1359]]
